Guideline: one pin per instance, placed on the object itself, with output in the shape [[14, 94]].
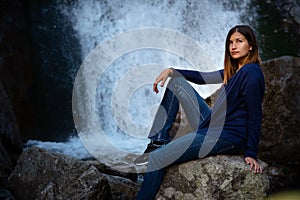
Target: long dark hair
[[230, 64]]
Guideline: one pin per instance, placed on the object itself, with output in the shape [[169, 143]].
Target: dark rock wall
[[16, 70], [56, 56], [281, 108], [39, 57], [280, 139], [10, 142]]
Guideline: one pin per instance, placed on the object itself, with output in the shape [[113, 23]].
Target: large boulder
[[212, 178], [40, 174], [280, 138]]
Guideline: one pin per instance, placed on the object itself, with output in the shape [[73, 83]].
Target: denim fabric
[[178, 90], [177, 152], [189, 147]]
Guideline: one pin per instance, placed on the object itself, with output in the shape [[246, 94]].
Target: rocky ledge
[[216, 177], [41, 174]]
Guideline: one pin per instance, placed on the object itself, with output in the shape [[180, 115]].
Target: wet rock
[[40, 174], [122, 188], [125, 169], [216, 177]]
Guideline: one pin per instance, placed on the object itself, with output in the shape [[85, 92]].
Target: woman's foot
[[143, 159]]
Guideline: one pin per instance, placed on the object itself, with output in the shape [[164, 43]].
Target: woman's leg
[[178, 91], [183, 149]]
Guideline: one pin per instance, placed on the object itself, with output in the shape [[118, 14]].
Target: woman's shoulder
[[252, 68], [252, 73]]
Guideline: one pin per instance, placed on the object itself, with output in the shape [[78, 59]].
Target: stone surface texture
[[213, 178]]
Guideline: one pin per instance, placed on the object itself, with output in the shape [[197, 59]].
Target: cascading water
[[206, 22]]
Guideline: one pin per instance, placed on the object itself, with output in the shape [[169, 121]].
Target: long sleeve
[[201, 77], [253, 91]]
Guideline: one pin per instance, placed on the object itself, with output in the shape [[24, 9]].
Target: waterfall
[[97, 23]]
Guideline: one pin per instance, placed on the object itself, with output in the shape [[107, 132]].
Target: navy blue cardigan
[[242, 99]]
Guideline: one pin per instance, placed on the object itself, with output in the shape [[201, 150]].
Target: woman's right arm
[[190, 75], [162, 77]]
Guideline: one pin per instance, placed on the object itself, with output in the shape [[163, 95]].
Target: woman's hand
[[254, 165], [162, 77]]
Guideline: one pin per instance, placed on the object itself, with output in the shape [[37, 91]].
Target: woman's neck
[[241, 62]]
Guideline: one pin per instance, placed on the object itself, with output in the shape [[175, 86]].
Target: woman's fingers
[[155, 88], [161, 79], [157, 80], [254, 165]]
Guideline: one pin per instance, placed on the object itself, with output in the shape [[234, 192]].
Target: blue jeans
[[189, 147], [196, 109]]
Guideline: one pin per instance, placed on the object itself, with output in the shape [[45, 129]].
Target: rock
[[122, 188], [40, 174], [9, 129], [6, 194], [123, 185], [281, 122], [215, 177], [10, 142], [125, 169]]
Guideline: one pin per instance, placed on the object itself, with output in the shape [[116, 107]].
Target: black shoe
[[143, 159]]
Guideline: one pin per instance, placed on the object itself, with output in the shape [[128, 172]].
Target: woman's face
[[239, 46]]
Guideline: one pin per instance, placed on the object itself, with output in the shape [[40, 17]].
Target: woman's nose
[[233, 46]]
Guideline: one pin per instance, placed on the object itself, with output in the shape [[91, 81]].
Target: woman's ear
[[250, 49]]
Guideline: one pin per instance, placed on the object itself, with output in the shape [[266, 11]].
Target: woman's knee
[[175, 82], [153, 161]]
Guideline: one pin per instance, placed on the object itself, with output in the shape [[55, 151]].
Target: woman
[[233, 124]]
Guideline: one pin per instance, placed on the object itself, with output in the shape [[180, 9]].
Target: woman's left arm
[[201, 78], [253, 91]]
